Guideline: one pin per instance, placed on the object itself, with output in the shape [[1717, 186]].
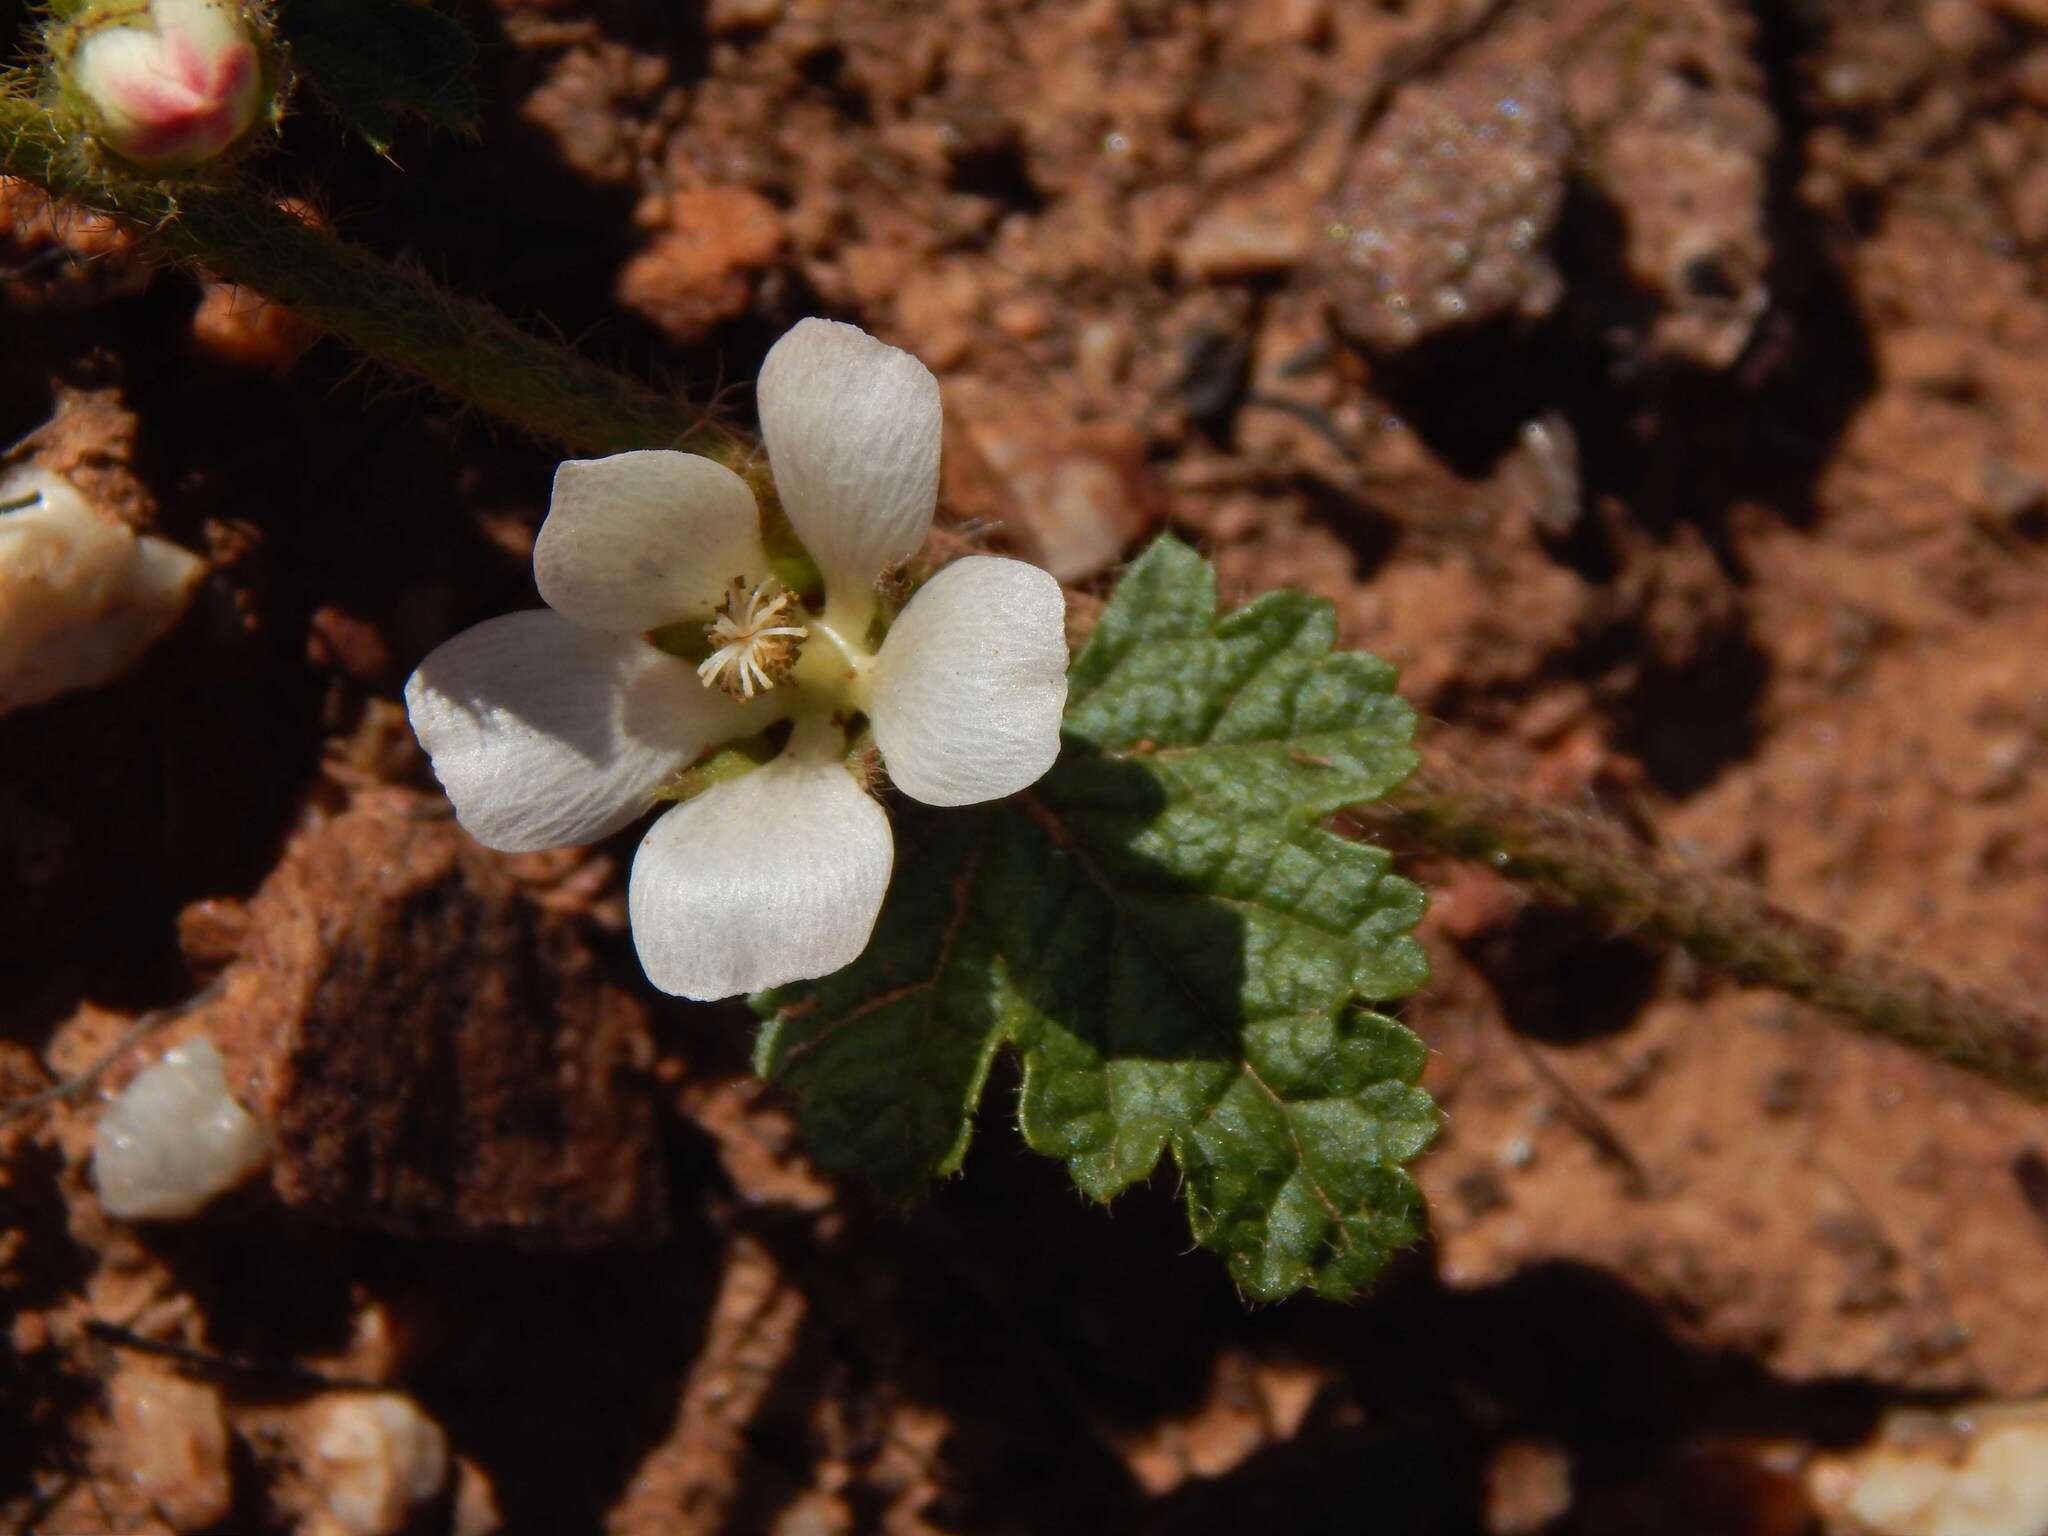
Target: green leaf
[[1180, 954], [375, 61]]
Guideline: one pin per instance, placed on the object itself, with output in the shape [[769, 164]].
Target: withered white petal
[[970, 685], [174, 1139], [852, 428], [546, 734], [642, 539], [766, 879]]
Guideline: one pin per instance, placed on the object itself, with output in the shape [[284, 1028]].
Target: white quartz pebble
[[82, 595], [381, 1458], [174, 1139]]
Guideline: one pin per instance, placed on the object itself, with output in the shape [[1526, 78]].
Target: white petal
[[547, 734], [971, 683], [643, 539], [852, 428], [762, 880]]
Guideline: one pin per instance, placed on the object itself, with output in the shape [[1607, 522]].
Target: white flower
[[559, 725], [169, 84]]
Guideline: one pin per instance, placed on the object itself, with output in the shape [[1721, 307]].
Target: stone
[[1680, 144], [175, 1139], [698, 271], [59, 256], [1441, 217], [433, 1052], [172, 1444], [1072, 498], [237, 326], [378, 1458], [82, 595], [1975, 1470]]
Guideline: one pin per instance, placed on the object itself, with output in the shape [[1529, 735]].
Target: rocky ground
[[1662, 383]]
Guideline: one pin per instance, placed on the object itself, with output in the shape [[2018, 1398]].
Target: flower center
[[752, 645]]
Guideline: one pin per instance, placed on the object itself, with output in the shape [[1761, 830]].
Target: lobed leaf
[[1181, 956]]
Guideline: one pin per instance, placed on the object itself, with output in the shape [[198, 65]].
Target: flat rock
[[1442, 217], [1680, 142], [430, 1051]]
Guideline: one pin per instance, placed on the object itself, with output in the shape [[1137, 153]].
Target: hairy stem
[[1595, 865], [393, 315]]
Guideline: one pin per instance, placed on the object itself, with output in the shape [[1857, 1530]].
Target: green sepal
[[734, 760], [789, 562], [686, 641]]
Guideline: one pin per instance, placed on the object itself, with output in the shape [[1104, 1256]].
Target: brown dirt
[[1722, 507]]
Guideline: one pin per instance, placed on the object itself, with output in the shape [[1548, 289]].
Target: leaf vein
[[1219, 1026]]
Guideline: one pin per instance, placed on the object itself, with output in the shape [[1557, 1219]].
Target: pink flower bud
[[170, 84]]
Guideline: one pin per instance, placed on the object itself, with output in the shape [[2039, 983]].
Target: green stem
[[393, 315], [1595, 865]]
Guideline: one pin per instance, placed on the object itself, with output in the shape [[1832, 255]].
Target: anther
[[751, 650]]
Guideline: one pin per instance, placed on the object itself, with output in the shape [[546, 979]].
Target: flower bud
[[166, 84]]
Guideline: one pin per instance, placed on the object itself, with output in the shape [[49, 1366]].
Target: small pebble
[[82, 595], [175, 1139], [1441, 217], [381, 1458], [173, 1445], [1979, 1470]]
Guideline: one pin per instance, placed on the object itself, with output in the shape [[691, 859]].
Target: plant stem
[[1595, 865], [394, 315]]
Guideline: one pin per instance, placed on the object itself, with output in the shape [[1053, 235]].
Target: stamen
[[751, 652]]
